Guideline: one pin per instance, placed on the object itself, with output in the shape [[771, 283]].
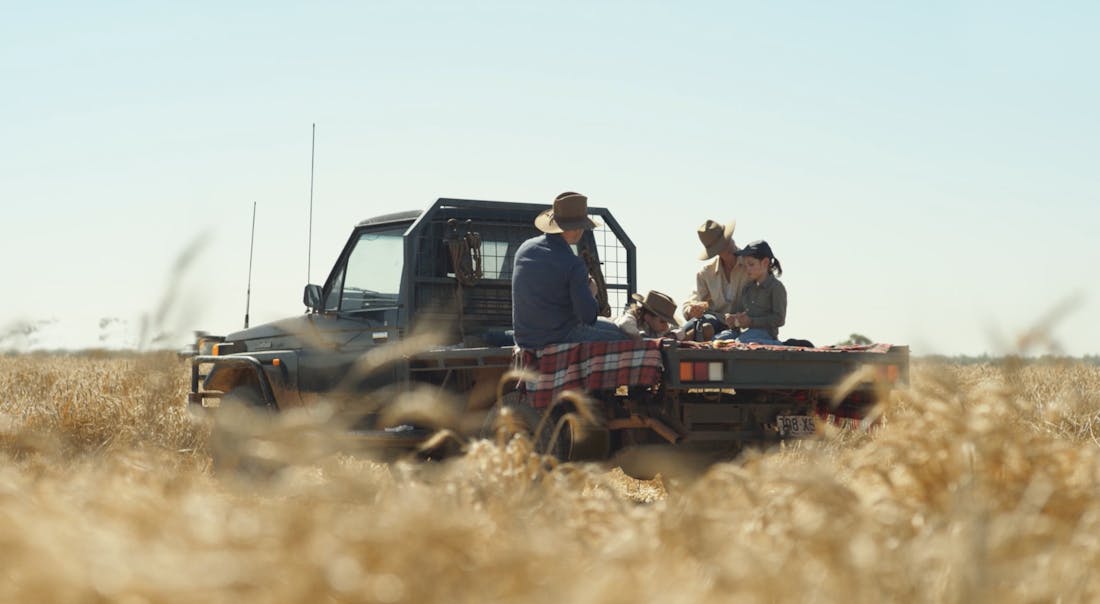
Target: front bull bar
[[196, 395]]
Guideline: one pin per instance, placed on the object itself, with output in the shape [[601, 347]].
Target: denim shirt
[[766, 305], [550, 293]]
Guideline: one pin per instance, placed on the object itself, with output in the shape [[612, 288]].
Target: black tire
[[563, 440], [248, 395], [591, 444], [525, 418], [243, 395]]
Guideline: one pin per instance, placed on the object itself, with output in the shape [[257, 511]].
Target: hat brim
[[714, 250], [753, 252], [640, 299], [548, 223]]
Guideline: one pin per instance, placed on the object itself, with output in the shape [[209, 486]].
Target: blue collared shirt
[[766, 304], [550, 294]]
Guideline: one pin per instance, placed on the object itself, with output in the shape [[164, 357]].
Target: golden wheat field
[[982, 484]]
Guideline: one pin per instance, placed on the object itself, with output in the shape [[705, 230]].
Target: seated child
[[762, 309], [650, 317]]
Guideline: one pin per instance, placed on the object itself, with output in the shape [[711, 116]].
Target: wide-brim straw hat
[[570, 212], [715, 237], [658, 304]]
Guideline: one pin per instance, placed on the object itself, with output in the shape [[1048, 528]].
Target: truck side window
[[332, 302], [372, 277]]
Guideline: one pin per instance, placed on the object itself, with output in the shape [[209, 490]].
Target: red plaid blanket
[[589, 366]]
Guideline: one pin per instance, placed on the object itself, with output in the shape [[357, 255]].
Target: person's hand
[[730, 320], [695, 310], [593, 287], [741, 319]]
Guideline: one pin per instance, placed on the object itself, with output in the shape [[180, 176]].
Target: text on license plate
[[795, 425]]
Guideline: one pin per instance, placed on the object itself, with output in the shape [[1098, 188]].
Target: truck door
[[361, 311]]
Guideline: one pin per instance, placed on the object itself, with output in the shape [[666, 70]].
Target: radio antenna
[[309, 242], [251, 245]]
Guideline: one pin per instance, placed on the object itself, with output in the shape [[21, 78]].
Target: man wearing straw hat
[[718, 284], [552, 294]]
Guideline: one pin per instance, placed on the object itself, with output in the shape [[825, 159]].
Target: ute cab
[[445, 272]]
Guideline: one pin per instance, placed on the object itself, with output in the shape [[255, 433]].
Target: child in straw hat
[[650, 317]]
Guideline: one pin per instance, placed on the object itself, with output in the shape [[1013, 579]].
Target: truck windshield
[[372, 277]]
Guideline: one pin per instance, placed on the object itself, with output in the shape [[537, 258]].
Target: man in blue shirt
[[552, 294]]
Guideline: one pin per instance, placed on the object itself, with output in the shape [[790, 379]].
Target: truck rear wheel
[[523, 418], [568, 437], [575, 439]]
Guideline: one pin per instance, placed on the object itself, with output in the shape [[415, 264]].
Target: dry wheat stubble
[[981, 484]]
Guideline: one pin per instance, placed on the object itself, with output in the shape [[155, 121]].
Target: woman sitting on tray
[[718, 284]]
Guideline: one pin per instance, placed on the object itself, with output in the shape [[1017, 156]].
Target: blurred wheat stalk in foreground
[[981, 484]]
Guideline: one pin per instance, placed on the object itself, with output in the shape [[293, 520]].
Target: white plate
[[795, 425]]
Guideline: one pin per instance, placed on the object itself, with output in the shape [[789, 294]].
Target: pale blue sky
[[925, 171]]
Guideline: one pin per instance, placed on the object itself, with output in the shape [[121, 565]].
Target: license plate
[[795, 425]]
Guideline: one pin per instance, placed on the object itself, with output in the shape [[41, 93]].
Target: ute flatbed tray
[[594, 366], [461, 358], [755, 366]]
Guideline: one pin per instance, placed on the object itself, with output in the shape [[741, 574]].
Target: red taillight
[[701, 371], [887, 373]]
